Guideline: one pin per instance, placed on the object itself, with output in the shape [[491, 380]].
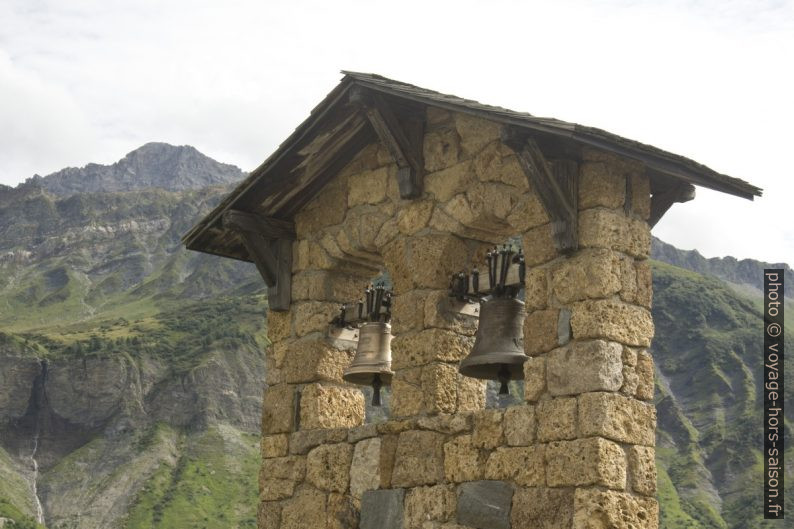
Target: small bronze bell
[[372, 364], [498, 352]]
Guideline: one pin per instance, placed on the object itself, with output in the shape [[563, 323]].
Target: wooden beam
[[557, 185], [268, 242], [403, 139], [267, 227], [662, 201]]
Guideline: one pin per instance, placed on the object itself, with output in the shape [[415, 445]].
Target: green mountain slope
[[707, 351]]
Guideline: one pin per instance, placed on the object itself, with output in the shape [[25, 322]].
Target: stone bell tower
[[388, 177]]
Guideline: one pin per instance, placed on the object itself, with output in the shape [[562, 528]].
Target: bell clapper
[[376, 385], [504, 377]]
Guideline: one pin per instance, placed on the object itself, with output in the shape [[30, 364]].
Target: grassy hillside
[[709, 402]]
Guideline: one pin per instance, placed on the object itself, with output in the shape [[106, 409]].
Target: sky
[[88, 81]]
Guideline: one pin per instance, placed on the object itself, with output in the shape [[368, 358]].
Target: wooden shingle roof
[[336, 130]]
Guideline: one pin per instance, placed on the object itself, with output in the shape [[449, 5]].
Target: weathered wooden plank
[[402, 138], [259, 251], [279, 295], [267, 227], [557, 186], [661, 202]]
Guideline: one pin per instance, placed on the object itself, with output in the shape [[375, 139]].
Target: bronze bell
[[372, 364], [498, 352]]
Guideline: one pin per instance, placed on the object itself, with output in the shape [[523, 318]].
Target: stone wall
[[579, 453]]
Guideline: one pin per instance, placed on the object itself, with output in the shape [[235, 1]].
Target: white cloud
[[708, 80]]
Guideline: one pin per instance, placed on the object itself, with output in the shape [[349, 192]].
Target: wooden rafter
[[268, 242], [556, 183], [662, 201], [402, 138]]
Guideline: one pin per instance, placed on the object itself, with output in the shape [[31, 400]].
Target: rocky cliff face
[[130, 369], [154, 165]]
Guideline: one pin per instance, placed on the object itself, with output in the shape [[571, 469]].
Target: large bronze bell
[[498, 352], [372, 364]]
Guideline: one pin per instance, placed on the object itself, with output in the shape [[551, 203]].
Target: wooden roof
[[336, 130]]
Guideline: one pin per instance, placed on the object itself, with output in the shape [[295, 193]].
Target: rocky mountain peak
[[153, 165]]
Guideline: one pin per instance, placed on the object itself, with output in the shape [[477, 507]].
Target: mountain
[[154, 165], [743, 274], [131, 370]]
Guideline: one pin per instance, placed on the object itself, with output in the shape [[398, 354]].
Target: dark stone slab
[[382, 509], [485, 504]]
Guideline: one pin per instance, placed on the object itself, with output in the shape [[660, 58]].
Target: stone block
[[640, 195], [589, 461], [591, 274], [447, 183], [613, 320], [365, 431], [326, 406], [488, 205], [313, 316], [539, 246], [542, 508], [642, 469], [432, 388], [445, 423], [328, 467], [326, 209], [580, 367], [414, 216], [305, 509], [644, 296], [540, 331], [475, 133], [419, 459], [605, 228], [382, 509], [408, 312], [441, 149], [388, 452], [536, 289], [644, 369], [302, 441], [425, 261], [278, 409], [492, 164], [429, 504], [361, 229], [613, 509], [519, 425], [341, 512], [321, 285], [279, 476], [279, 326], [314, 359], [274, 445], [367, 187], [599, 185], [564, 327], [462, 461], [534, 378], [523, 465], [365, 467], [617, 417], [439, 312], [556, 419], [485, 504], [268, 515], [630, 381], [528, 212], [628, 279], [430, 345], [471, 394], [488, 429]]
